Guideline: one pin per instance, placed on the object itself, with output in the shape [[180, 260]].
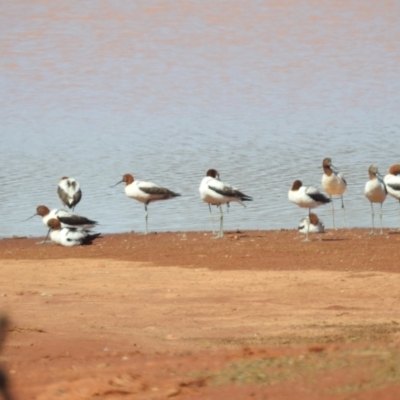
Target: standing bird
[[69, 236], [375, 191], [145, 192], [67, 219], [69, 192], [333, 183], [392, 181], [311, 224], [214, 192], [306, 197]]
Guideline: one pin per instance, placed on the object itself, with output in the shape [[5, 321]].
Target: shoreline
[[227, 232], [341, 249]]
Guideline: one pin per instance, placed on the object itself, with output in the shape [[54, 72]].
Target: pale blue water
[[261, 91]]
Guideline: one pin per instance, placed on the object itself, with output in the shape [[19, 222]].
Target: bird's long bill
[[34, 215], [117, 183], [333, 167]]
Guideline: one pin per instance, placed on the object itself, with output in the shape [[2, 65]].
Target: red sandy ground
[[256, 315]]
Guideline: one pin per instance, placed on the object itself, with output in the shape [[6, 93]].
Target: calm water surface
[[261, 91]]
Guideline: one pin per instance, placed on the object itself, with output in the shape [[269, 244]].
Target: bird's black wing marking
[[62, 195], [76, 220], [77, 198], [394, 186], [319, 197], [230, 192], [160, 191], [89, 238]]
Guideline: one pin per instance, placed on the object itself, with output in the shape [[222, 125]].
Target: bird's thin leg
[[221, 221], [333, 213], [227, 207], [212, 218], [381, 220], [308, 226], [146, 214], [221, 217], [45, 239], [344, 212], [372, 217]]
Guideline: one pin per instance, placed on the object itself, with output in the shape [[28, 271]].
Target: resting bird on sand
[[69, 236], [215, 192], [311, 224]]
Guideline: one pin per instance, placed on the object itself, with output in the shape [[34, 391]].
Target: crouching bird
[[311, 224], [69, 236]]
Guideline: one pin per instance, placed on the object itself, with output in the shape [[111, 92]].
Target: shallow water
[[261, 91]]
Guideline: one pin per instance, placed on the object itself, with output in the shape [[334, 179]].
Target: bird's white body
[[334, 184], [137, 190], [68, 219], [375, 190], [212, 191], [393, 185], [392, 182], [69, 192], [305, 197], [69, 236]]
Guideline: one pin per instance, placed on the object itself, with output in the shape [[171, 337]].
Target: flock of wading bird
[[69, 229], [334, 184]]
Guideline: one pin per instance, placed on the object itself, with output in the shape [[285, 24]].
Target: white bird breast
[[210, 196], [375, 191]]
